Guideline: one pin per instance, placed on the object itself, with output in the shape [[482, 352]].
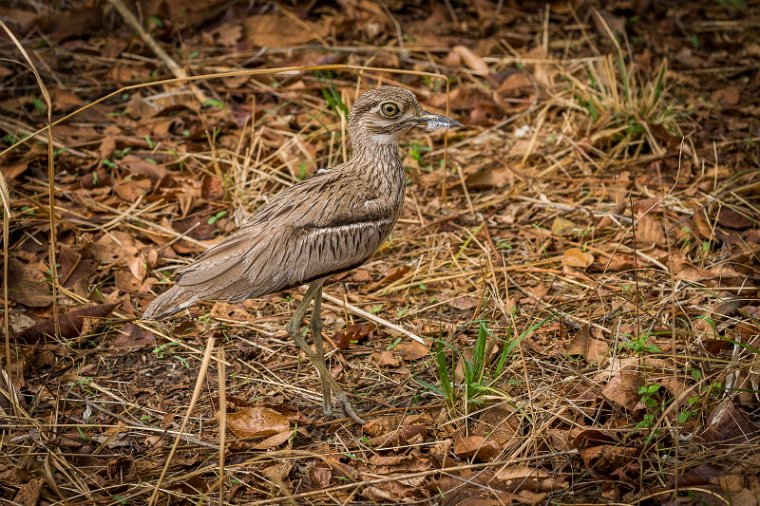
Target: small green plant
[[301, 171], [213, 219], [417, 151], [39, 106], [640, 345], [155, 22], [212, 102], [481, 372], [331, 93], [651, 399], [690, 411], [162, 350]]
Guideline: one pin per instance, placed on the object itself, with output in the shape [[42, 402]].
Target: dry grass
[[583, 266]]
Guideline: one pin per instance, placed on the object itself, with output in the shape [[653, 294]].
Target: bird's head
[[385, 114]]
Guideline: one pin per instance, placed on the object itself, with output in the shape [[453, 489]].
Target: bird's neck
[[374, 155]]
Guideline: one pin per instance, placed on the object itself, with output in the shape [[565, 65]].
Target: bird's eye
[[389, 109]]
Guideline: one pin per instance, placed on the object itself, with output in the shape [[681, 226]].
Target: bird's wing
[[310, 231]]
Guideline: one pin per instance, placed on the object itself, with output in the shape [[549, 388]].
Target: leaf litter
[[597, 214]]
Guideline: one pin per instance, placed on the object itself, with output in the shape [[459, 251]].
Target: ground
[[581, 258]]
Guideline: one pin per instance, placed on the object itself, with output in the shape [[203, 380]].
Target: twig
[[172, 65], [193, 402], [373, 318]]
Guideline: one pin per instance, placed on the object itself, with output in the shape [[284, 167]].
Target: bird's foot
[[348, 408]]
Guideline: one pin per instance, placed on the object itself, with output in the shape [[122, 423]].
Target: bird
[[329, 223]]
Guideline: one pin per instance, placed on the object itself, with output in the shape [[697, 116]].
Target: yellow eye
[[389, 109]]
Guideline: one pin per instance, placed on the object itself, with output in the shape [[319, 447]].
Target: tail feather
[[170, 302]]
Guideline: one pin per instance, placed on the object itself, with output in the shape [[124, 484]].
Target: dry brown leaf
[[256, 422], [273, 441], [471, 60], [385, 358], [279, 30], [393, 275], [130, 338], [649, 230], [353, 334], [731, 219], [70, 323], [465, 302], [607, 458], [500, 424], [398, 429], [412, 350], [27, 285], [29, 493], [391, 491], [563, 227], [130, 190], [527, 478], [520, 148], [729, 425], [593, 351], [320, 475], [727, 96], [481, 448], [574, 257], [139, 167], [623, 389], [515, 83], [126, 282], [494, 177]]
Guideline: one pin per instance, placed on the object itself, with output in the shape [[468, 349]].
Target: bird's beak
[[436, 121]]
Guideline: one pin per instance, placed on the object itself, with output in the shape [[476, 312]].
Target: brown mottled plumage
[[329, 223]]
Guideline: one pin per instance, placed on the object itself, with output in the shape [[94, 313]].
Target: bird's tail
[[171, 301]]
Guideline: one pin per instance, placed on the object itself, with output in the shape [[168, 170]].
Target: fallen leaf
[[563, 227], [607, 458], [29, 493], [471, 60], [391, 491], [394, 275], [70, 323], [734, 220], [353, 334], [727, 425], [385, 358], [398, 429], [478, 447], [593, 351], [139, 167], [490, 178], [701, 474], [320, 476], [131, 190], [131, 338], [27, 285], [623, 389], [465, 302], [727, 96], [528, 478], [279, 30], [515, 84], [574, 257], [273, 441], [412, 350], [650, 230], [256, 422]]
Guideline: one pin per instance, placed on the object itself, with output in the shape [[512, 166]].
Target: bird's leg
[[316, 332], [318, 362]]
